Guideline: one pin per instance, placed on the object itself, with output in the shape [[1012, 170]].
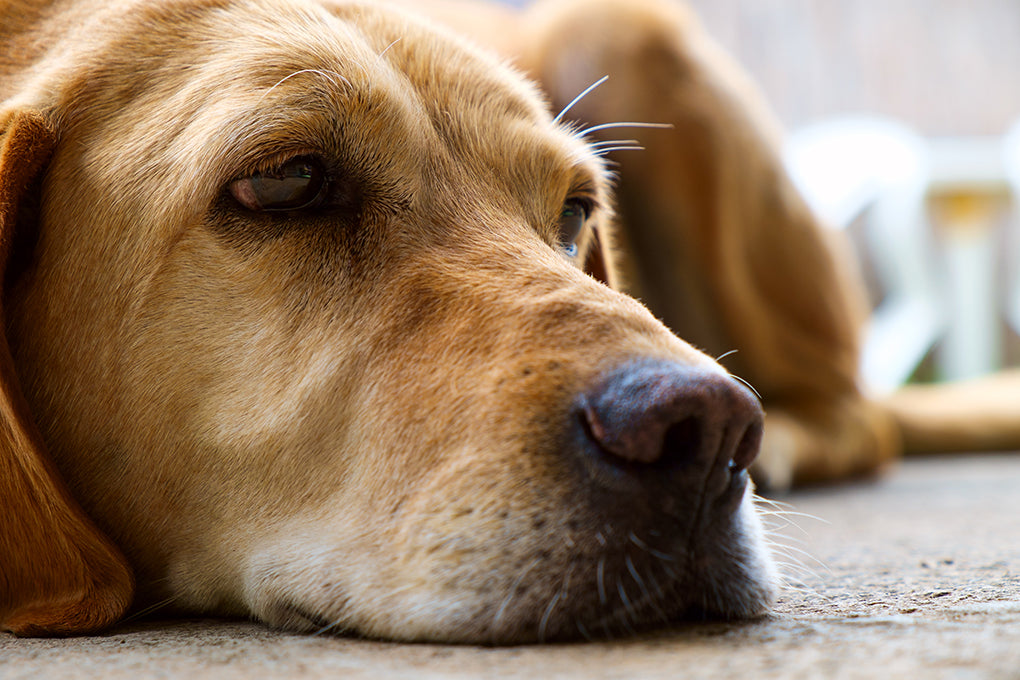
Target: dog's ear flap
[[58, 573]]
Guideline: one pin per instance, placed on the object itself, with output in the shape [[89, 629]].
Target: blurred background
[[903, 122], [948, 67], [904, 131]]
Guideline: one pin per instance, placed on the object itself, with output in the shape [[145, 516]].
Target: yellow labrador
[[312, 314]]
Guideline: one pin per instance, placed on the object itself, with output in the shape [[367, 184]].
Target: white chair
[[967, 186], [855, 165]]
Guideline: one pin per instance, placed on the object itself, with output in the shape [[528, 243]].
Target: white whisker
[[749, 386], [778, 526], [575, 100], [600, 580], [771, 501], [811, 592], [637, 578], [792, 513], [545, 617], [610, 142], [603, 152], [624, 124], [787, 550], [326, 629], [511, 593], [583, 631], [648, 549], [141, 613], [328, 75], [795, 567], [726, 354], [627, 606], [389, 46]]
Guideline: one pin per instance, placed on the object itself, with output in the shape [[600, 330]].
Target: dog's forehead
[[436, 82], [217, 87]]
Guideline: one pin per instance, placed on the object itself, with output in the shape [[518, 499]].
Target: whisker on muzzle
[[146, 611], [497, 618]]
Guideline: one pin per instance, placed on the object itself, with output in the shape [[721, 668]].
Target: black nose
[[670, 419]]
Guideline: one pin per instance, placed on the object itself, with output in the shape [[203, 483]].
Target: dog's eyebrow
[[586, 185], [308, 110]]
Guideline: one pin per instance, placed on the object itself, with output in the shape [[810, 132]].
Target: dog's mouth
[[633, 585], [528, 578], [646, 577]]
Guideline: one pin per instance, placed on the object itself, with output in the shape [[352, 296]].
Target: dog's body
[[297, 308]]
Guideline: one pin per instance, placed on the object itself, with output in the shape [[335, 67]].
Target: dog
[[320, 313]]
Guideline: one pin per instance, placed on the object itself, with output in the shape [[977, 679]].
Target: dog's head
[[302, 308]]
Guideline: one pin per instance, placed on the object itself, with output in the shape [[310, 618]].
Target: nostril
[[682, 441], [747, 448], [636, 432]]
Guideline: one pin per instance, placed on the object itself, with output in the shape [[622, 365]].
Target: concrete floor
[[915, 575]]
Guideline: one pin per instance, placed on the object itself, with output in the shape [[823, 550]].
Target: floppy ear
[[58, 573]]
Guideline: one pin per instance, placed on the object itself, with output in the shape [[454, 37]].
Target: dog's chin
[[510, 588]]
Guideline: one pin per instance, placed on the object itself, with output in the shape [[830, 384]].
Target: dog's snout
[[671, 417]]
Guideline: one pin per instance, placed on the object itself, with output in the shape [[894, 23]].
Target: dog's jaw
[[510, 585]]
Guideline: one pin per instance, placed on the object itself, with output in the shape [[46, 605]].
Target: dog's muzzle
[[682, 432]]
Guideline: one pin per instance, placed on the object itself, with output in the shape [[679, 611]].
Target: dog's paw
[[852, 439]]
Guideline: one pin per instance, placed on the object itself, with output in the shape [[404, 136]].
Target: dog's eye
[[298, 183], [572, 220]]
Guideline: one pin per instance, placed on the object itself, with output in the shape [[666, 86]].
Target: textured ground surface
[[917, 575]]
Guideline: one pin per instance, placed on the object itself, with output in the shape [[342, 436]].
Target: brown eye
[[572, 220], [299, 183]]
